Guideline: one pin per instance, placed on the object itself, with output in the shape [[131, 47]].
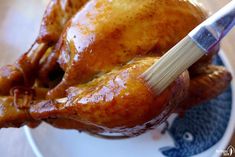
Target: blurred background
[[227, 46]]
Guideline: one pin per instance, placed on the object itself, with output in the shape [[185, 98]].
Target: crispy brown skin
[[118, 101], [22, 73], [56, 16], [58, 12], [97, 50], [206, 83], [10, 116], [105, 34]]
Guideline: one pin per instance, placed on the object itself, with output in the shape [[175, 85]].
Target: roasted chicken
[[85, 73]]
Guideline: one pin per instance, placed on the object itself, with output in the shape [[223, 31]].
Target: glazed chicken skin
[[101, 48], [107, 103], [111, 102], [105, 34], [57, 14], [55, 17]]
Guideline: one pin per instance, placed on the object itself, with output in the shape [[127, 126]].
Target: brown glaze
[[97, 51], [58, 12], [10, 76], [23, 72], [209, 81], [10, 116], [116, 101], [106, 33], [16, 75]]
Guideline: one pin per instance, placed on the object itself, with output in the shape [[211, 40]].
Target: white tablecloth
[[19, 25]]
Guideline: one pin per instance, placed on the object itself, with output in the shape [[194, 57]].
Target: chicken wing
[[21, 73], [201, 82]]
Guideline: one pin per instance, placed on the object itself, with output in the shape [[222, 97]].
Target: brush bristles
[[172, 64]]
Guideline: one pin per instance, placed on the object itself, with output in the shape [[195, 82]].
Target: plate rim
[[32, 142], [224, 141], [221, 144]]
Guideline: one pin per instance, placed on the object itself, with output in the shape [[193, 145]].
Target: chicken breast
[[105, 34]]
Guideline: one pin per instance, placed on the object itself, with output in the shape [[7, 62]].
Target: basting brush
[[197, 43]]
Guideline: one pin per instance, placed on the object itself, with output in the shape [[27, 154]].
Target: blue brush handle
[[211, 31]]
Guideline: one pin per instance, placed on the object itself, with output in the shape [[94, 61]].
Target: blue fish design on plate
[[201, 127]]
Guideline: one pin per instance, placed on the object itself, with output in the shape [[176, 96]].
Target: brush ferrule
[[211, 31], [204, 39]]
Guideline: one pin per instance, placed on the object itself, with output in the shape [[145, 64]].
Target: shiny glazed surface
[[89, 61], [117, 101], [105, 34]]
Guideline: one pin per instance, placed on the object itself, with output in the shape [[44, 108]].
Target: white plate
[[202, 136]]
